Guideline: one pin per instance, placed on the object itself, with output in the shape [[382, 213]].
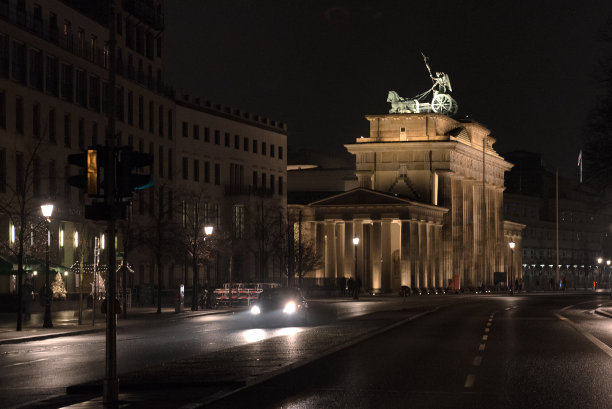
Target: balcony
[[145, 12]]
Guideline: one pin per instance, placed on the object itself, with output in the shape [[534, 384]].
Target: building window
[[236, 142], [119, 104], [19, 115], [217, 137], [52, 126], [264, 181], [271, 150], [36, 69], [36, 120], [81, 131], [206, 135], [66, 82], [170, 163], [238, 221], [2, 170], [196, 132], [254, 145], [3, 109], [141, 112], [36, 177], [280, 185], [206, 172], [255, 178], [19, 68], [227, 140], [280, 152], [160, 120], [52, 77], [4, 56], [246, 144], [67, 131], [94, 93], [263, 148], [94, 133], [185, 129], [217, 174], [170, 124], [161, 161], [19, 173], [196, 170], [185, 169], [151, 117], [271, 183], [130, 108], [81, 88]]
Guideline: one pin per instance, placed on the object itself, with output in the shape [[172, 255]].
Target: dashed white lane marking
[[605, 348], [26, 363], [477, 360], [489, 324], [485, 337], [487, 329], [481, 347], [469, 381]]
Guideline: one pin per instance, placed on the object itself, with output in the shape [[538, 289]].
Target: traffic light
[[129, 161], [91, 161]]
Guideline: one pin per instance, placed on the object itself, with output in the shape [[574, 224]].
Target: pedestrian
[[357, 288], [343, 286], [351, 285]]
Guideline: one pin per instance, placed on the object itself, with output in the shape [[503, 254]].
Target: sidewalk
[[65, 323]]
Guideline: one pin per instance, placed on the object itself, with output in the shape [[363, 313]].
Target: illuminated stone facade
[[438, 219]]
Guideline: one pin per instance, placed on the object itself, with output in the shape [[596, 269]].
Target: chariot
[[441, 101]]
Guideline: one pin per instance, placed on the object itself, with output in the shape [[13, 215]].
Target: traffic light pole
[[111, 382]]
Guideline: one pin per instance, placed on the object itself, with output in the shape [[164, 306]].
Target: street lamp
[[599, 261], [195, 299], [47, 211], [356, 289], [609, 273], [511, 245]]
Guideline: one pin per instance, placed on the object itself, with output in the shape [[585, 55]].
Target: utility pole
[[111, 382]]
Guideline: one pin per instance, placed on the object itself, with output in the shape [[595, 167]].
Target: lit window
[[76, 239], [102, 242]]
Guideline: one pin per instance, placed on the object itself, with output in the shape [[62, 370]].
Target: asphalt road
[[32, 371], [534, 351]]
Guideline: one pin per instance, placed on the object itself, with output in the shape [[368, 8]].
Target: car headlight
[[290, 308], [255, 310]]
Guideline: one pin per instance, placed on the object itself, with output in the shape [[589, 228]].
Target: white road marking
[[469, 381], [488, 324], [601, 345], [26, 363], [477, 360], [487, 329], [481, 347], [485, 337]]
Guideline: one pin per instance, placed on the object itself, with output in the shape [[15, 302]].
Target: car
[[279, 306]]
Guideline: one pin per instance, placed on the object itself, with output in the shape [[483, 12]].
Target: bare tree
[[301, 256], [161, 234], [197, 245], [21, 207], [266, 235]]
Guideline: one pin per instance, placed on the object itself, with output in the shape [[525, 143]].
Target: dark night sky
[[528, 70]]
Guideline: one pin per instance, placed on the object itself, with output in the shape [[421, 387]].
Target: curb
[[19, 340], [603, 313]]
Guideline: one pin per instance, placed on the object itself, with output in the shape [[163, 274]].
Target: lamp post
[[47, 211], [609, 274], [356, 289], [194, 304], [599, 261], [511, 245]]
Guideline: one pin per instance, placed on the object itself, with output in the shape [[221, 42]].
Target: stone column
[[457, 232], [349, 251], [415, 264], [469, 252], [405, 253], [439, 256], [330, 251], [431, 270], [319, 229], [386, 255], [423, 264], [339, 260], [376, 256], [360, 268]]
